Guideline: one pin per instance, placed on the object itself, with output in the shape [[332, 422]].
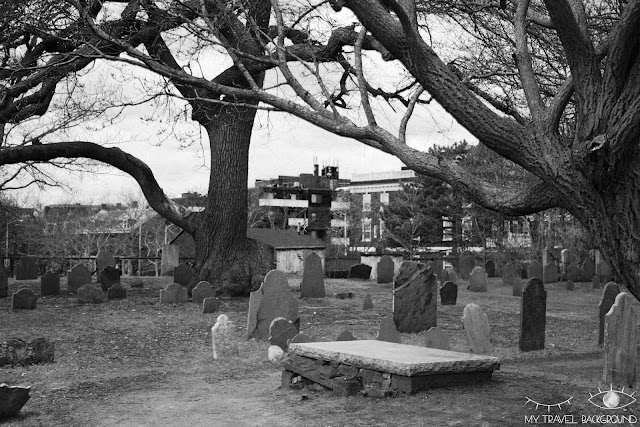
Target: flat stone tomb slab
[[399, 359]]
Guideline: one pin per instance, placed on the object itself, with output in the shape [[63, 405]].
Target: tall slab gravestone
[[604, 271], [385, 269], [476, 325], [478, 280], [620, 343], [415, 302], [103, 259], [490, 268], [550, 273], [312, 285], [182, 274], [449, 293], [170, 259], [535, 270], [408, 271], [50, 284], [4, 282], [273, 299], [609, 294], [533, 316], [588, 269], [78, 276], [26, 269]]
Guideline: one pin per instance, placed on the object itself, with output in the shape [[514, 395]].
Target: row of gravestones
[[384, 270]]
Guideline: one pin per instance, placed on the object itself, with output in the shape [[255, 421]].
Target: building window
[[384, 198], [366, 230], [316, 198], [314, 216], [294, 197], [366, 202], [447, 229]]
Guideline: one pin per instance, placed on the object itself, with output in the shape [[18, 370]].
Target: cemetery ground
[[134, 362]]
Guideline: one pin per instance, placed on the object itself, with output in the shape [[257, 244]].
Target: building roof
[[284, 239]]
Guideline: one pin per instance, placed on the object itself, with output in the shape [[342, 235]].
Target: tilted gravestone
[[415, 302], [490, 268], [466, 263], [620, 343], [23, 299], [4, 282], [170, 259], [360, 271], [368, 303], [535, 270], [533, 316], [436, 338], [517, 287], [449, 293], [78, 276], [210, 305], [50, 284], [12, 399], [509, 274], [385, 269], [388, 331], [201, 291], [312, 285], [449, 275], [109, 276], [90, 294], [281, 331], [346, 336], [478, 280], [408, 269], [476, 325], [550, 273], [273, 299], [588, 269], [116, 291], [609, 294], [103, 259], [26, 269], [182, 274], [174, 294]]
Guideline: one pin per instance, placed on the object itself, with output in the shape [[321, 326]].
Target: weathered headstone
[[604, 271], [517, 287], [408, 271], [182, 274], [620, 343], [90, 294], [436, 338], [478, 280], [609, 294], [360, 271], [174, 294], [109, 276], [273, 299], [4, 282], [466, 263], [571, 273], [78, 276], [449, 275], [533, 316], [50, 284], [368, 303], [116, 291], [345, 336], [170, 259], [12, 399], [449, 293], [23, 299], [385, 269], [535, 270], [223, 340], [588, 269], [26, 269], [550, 273], [509, 274], [490, 268], [476, 325], [415, 302], [201, 291], [595, 283], [388, 331], [103, 259], [312, 285], [210, 305], [281, 331]]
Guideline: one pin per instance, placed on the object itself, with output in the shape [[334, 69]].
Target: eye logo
[[549, 406], [611, 399]]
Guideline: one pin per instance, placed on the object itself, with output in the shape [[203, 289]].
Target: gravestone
[[449, 275], [604, 271], [466, 263], [517, 287], [550, 272], [620, 343], [26, 269], [90, 294], [4, 282], [490, 268], [109, 276], [273, 299], [535, 270], [182, 274], [476, 325], [223, 340], [533, 316], [509, 274], [210, 305], [116, 291], [281, 331], [368, 303], [12, 399], [609, 294], [436, 338], [174, 294], [23, 299], [408, 271], [572, 274], [478, 280], [449, 293], [78, 276], [360, 271], [388, 331], [103, 259], [312, 285], [346, 336], [566, 258], [588, 269], [170, 259], [437, 267], [385, 269], [19, 352], [415, 302], [50, 284], [595, 282], [201, 291]]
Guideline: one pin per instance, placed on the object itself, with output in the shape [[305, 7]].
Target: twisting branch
[[402, 133], [364, 94]]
